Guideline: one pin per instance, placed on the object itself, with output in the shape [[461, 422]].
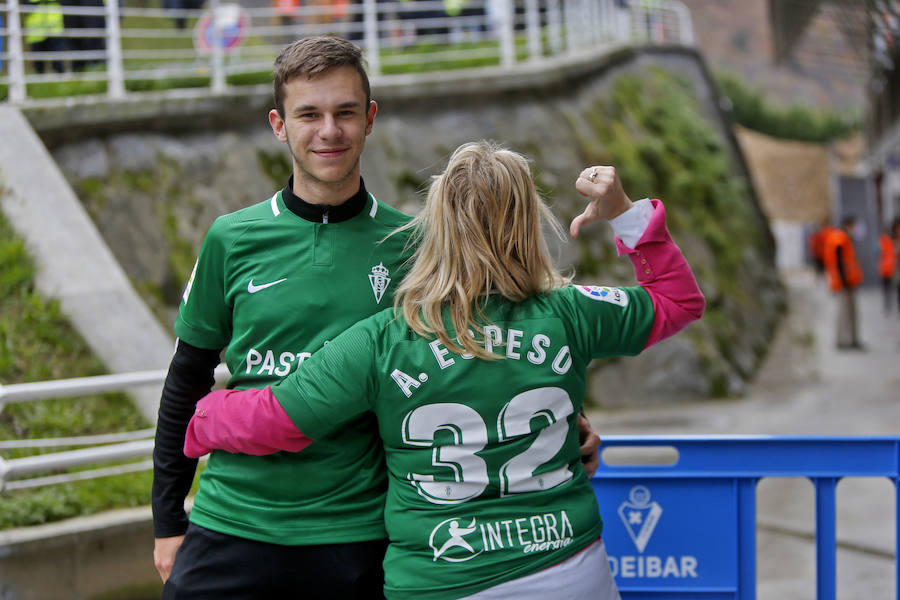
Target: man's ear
[[277, 124], [370, 116]]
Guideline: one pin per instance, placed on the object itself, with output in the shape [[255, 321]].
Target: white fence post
[[505, 15], [570, 18], [16, 56], [685, 24], [370, 26], [533, 24], [114, 70], [217, 53], [554, 26]]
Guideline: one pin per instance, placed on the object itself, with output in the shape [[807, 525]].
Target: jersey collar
[[317, 212]]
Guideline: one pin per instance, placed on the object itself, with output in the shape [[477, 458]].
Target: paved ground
[[807, 387]]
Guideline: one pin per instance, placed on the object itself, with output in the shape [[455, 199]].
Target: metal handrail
[[540, 28], [80, 386], [15, 468], [79, 440]]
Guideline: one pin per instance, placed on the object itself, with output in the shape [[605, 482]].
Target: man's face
[[326, 121]]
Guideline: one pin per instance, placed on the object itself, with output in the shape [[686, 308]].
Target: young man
[[273, 283]]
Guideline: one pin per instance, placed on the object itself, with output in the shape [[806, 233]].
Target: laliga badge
[[604, 294]]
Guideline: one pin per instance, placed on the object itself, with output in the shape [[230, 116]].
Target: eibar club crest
[[640, 516], [379, 280]]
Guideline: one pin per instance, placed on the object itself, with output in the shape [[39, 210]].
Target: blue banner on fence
[[652, 532], [686, 529]]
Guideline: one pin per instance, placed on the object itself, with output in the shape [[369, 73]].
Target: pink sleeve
[[661, 269], [242, 421]]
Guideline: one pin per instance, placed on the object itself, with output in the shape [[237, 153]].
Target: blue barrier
[[688, 530]]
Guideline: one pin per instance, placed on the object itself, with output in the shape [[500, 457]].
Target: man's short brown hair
[[310, 56]]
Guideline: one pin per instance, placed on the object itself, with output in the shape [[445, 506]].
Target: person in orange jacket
[[894, 238], [887, 261], [844, 274], [816, 242]]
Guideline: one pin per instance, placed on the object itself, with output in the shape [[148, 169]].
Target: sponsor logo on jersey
[[379, 280], [640, 516], [448, 540], [460, 539], [273, 362], [252, 288], [605, 294]]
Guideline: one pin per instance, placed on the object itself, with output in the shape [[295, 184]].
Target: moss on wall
[[652, 129], [145, 216], [275, 165]]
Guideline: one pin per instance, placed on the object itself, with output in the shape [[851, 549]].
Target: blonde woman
[[476, 377]]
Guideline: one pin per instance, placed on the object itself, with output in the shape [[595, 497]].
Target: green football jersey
[[274, 288], [485, 479]]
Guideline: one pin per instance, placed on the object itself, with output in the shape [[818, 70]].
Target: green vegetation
[[39, 344], [276, 166], [474, 54], [751, 110], [651, 127], [166, 189]]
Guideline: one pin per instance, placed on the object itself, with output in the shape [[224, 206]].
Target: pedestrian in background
[[817, 246], [92, 43], [844, 274], [44, 26], [895, 239], [887, 267]]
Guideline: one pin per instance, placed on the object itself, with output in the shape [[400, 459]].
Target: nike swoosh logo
[[255, 288]]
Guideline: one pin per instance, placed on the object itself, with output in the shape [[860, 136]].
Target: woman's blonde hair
[[479, 233]]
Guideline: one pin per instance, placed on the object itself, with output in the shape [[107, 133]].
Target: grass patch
[[39, 344], [797, 122]]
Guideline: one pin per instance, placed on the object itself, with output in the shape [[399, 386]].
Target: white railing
[[116, 51], [103, 449]]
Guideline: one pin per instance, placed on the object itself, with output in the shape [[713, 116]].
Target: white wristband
[[631, 224]]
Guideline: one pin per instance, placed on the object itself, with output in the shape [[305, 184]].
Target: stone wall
[[153, 184]]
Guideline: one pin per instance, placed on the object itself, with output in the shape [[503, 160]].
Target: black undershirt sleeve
[[190, 377]]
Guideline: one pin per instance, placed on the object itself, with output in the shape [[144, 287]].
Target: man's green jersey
[[485, 479], [274, 288]]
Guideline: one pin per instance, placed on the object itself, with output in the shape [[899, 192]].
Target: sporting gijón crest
[[379, 280]]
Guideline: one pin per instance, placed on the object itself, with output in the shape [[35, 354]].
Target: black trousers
[[214, 565]]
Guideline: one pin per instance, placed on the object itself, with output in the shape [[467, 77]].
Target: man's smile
[[330, 152]]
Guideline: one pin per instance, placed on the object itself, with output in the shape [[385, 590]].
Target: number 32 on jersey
[[469, 433]]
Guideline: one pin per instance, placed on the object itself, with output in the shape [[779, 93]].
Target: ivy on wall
[[651, 127]]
